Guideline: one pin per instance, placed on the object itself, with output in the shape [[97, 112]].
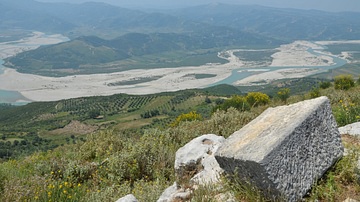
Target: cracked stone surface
[[285, 149]]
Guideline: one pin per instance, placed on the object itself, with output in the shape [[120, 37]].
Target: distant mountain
[[91, 18], [285, 24], [116, 34], [17, 15], [104, 20]]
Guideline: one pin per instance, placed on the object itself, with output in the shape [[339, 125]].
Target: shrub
[[284, 94], [344, 82], [315, 92], [237, 102], [93, 113], [346, 112], [324, 84], [191, 116], [257, 98]]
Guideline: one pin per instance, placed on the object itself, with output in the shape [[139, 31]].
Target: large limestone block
[[284, 150]]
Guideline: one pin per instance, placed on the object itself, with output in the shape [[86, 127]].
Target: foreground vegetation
[[113, 162]]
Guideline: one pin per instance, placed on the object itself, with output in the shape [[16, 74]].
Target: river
[[28, 43], [13, 97], [242, 73]]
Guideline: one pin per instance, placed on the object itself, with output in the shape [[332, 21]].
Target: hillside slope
[[110, 164]]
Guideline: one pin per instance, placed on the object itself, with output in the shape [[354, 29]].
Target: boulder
[[196, 160], [284, 150], [127, 198], [351, 129], [195, 164]]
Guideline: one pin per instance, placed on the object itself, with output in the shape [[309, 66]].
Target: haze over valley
[[111, 100], [102, 49]]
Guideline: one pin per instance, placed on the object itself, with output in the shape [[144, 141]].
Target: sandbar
[[41, 88]]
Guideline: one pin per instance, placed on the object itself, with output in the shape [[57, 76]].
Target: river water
[[10, 96], [15, 97], [242, 73], [237, 74]]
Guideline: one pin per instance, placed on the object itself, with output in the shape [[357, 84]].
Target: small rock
[[168, 194], [175, 193], [127, 198], [351, 129], [351, 200]]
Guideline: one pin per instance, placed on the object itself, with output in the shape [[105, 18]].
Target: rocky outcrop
[[195, 164], [127, 198], [285, 149], [196, 159], [351, 129]]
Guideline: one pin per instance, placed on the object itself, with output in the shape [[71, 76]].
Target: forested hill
[[91, 50]]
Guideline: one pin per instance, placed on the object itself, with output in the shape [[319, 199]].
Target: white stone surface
[[196, 159], [351, 129], [127, 198]]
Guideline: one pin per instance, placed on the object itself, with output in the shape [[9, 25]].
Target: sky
[[326, 5]]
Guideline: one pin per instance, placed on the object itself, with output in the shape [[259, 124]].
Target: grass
[[113, 163]]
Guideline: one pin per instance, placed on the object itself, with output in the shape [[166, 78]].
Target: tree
[[207, 100], [94, 113]]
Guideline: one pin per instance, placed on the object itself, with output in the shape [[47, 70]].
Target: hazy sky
[[327, 5]]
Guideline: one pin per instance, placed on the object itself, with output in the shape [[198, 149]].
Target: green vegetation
[[201, 76], [91, 54], [116, 161], [325, 84], [191, 116], [344, 82], [284, 94], [237, 102], [53, 122], [257, 57], [256, 98], [135, 81]]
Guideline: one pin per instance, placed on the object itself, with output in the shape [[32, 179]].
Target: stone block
[[285, 149]]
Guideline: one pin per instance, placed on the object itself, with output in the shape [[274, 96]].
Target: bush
[[315, 92], [324, 84], [257, 98], [284, 94], [344, 82], [191, 116], [237, 102]]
